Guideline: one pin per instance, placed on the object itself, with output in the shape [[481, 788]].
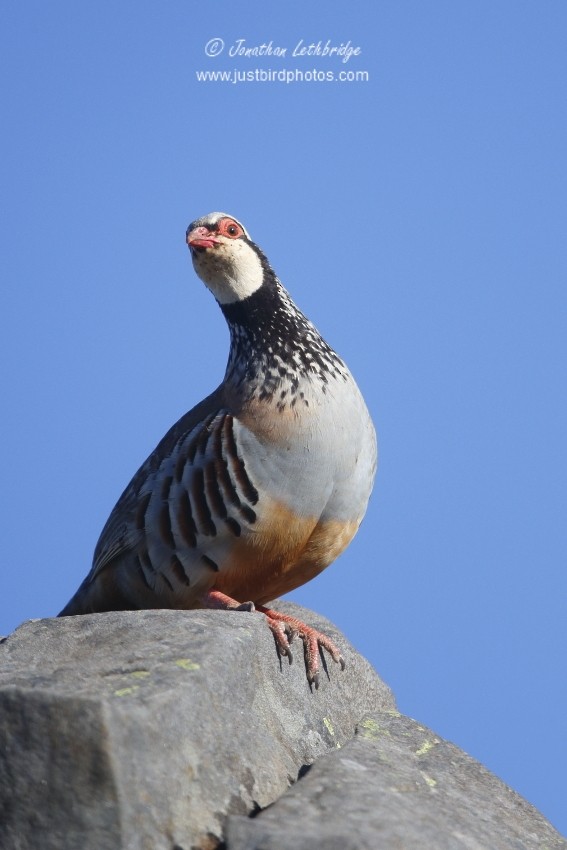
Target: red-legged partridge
[[259, 487]]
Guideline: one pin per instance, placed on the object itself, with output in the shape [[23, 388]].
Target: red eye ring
[[231, 228]]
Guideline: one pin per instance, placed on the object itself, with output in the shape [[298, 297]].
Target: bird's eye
[[229, 227]]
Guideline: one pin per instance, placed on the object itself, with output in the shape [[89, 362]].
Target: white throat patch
[[231, 270]]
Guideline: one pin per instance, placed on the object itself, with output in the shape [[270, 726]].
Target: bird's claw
[[285, 628], [283, 637]]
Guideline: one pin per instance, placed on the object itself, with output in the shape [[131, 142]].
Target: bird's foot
[[286, 627]]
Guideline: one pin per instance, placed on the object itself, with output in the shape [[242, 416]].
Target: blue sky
[[417, 216]]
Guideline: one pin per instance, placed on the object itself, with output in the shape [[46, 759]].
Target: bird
[[261, 485]]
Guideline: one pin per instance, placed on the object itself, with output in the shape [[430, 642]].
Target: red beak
[[200, 237]]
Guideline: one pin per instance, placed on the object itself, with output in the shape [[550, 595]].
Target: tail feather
[[96, 596]]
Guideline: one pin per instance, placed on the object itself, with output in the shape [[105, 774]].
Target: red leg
[[283, 636], [216, 599], [284, 628]]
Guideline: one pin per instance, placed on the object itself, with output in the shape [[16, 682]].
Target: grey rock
[[144, 730], [172, 730], [396, 786]]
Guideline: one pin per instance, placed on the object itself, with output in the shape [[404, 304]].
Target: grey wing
[[121, 533], [184, 507]]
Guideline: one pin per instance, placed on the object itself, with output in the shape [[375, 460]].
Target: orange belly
[[281, 554]]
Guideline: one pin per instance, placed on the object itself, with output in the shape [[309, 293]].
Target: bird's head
[[224, 257]]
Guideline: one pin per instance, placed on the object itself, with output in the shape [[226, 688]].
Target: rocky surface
[[145, 729], [396, 785], [172, 730]]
